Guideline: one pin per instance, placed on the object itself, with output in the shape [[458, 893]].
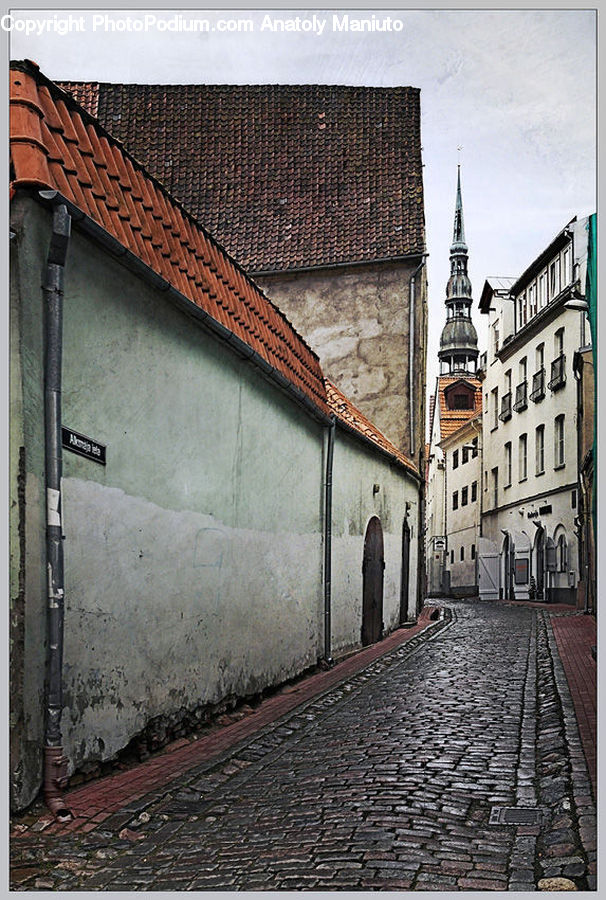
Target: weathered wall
[[194, 558], [355, 471], [357, 320]]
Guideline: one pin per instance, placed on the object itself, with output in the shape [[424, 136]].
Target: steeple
[[459, 342], [458, 232]]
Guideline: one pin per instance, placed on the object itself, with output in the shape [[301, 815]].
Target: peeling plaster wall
[[355, 470], [357, 320], [193, 559]]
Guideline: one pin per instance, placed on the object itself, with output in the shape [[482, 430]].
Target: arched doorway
[[372, 583], [405, 572], [539, 563], [507, 556]]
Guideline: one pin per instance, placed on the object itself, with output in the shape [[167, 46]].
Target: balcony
[[538, 386], [521, 396], [558, 373], [505, 407]]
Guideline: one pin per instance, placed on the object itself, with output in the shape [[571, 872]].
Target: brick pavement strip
[[384, 782]]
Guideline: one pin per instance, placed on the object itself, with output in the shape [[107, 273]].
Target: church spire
[[458, 232], [459, 341]]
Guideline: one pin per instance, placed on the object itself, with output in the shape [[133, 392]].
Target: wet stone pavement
[[387, 782]]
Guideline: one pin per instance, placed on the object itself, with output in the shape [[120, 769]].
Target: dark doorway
[[540, 563], [508, 563], [372, 589], [405, 572]]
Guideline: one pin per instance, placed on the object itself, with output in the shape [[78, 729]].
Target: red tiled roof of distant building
[[285, 176], [347, 413], [451, 419], [55, 144]]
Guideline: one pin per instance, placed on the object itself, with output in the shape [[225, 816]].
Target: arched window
[[562, 553]]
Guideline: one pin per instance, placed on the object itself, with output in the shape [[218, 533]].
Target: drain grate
[[514, 815]]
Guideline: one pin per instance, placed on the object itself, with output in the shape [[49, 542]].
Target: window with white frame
[[542, 290], [523, 457], [566, 267], [495, 407], [507, 464], [495, 338], [554, 278], [558, 442], [540, 449]]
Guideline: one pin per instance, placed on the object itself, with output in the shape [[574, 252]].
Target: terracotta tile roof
[[451, 419], [285, 176], [347, 413], [55, 144]]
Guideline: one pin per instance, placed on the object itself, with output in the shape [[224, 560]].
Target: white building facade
[[529, 546]]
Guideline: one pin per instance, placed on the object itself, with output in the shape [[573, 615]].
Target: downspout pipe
[[328, 543], [55, 762], [411, 350]]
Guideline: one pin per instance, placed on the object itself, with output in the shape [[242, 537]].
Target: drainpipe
[[411, 351], [55, 762], [328, 542]]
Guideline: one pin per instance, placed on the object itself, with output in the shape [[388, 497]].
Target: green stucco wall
[[193, 559]]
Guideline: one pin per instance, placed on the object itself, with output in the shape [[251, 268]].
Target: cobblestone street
[[385, 782]]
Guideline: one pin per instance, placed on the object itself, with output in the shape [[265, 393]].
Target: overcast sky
[[514, 88]]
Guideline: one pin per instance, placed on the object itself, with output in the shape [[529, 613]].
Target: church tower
[[459, 341]]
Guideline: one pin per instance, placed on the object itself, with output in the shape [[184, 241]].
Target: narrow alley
[[405, 775]]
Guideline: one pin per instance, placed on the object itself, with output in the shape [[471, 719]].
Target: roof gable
[[55, 144], [350, 416], [452, 419], [332, 172]]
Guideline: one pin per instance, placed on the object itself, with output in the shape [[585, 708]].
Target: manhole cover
[[513, 815]]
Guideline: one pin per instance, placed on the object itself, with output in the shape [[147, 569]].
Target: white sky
[[515, 88]]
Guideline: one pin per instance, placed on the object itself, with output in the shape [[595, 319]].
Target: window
[[495, 338], [558, 442], [558, 342], [523, 457], [462, 553], [455, 500], [554, 278], [464, 496], [532, 299], [523, 369], [495, 486], [566, 270], [507, 464], [540, 356], [452, 556], [455, 459], [507, 380], [474, 444], [485, 479], [495, 407], [464, 455], [540, 449], [474, 491], [562, 554], [542, 290], [573, 499], [473, 551], [462, 401]]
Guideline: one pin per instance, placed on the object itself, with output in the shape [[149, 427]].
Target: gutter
[[55, 762], [136, 265], [328, 544], [411, 348], [337, 265], [370, 443]]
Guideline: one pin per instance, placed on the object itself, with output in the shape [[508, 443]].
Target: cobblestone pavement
[[385, 782]]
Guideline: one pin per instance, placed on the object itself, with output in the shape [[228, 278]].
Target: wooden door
[[373, 566]]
